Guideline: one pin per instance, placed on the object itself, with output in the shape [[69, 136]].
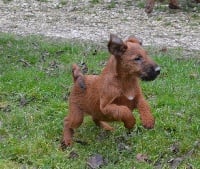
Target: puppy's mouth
[[150, 73]]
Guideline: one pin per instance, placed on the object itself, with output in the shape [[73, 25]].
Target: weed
[[7, 1], [63, 2], [42, 0], [95, 1], [111, 5], [140, 4]]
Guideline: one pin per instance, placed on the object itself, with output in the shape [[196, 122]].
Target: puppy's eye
[[138, 58]]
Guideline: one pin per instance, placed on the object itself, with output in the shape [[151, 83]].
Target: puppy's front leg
[[145, 112], [114, 112]]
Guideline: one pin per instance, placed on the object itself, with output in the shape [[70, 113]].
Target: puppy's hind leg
[[73, 121], [103, 124]]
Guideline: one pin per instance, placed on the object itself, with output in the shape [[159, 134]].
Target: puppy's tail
[[78, 76]]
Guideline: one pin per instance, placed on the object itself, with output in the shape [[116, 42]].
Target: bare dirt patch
[[84, 20]]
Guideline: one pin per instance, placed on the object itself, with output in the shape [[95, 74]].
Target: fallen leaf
[[189, 153], [44, 56], [121, 139], [174, 148], [95, 52], [95, 161], [23, 101], [102, 135], [3, 105], [174, 162], [142, 157], [73, 155], [53, 64], [197, 144], [24, 62], [189, 166], [164, 49], [193, 76], [123, 147], [60, 52], [159, 161], [83, 143]]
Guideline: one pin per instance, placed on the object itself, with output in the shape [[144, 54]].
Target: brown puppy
[[112, 95]]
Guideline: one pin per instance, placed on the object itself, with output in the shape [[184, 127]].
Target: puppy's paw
[[64, 144], [106, 126], [130, 124], [148, 124]]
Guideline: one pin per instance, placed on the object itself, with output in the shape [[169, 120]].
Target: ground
[[95, 20], [35, 81]]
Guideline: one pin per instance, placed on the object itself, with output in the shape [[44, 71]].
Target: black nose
[[157, 70], [150, 73]]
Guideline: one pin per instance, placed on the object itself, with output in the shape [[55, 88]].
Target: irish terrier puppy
[[112, 95]]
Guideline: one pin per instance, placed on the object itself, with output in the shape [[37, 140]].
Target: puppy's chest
[[129, 93]]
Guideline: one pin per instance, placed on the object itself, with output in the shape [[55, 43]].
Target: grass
[[35, 80]]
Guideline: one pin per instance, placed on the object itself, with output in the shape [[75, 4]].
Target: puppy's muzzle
[[150, 73]]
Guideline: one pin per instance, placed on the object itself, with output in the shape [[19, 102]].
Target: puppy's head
[[132, 59]]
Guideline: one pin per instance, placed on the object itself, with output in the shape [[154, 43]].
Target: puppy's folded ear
[[116, 46], [133, 39]]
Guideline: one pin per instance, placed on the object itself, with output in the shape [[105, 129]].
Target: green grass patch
[[35, 81]]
